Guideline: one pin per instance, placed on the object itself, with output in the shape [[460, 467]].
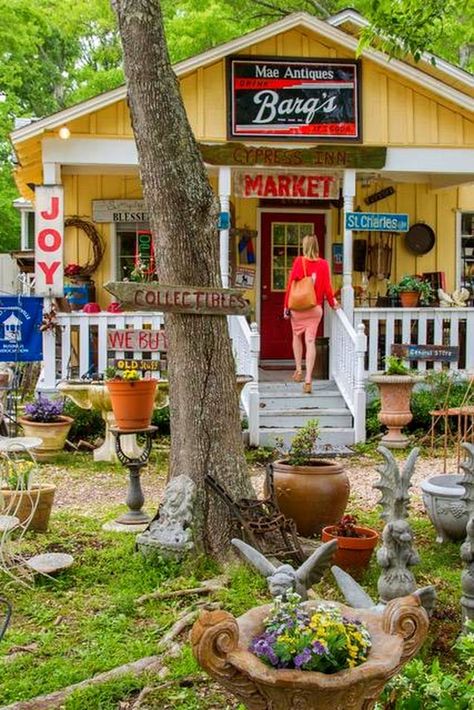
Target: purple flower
[[319, 648], [44, 409], [262, 646], [302, 657]]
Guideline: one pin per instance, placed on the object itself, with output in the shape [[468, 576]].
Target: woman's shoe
[[307, 388], [297, 376]]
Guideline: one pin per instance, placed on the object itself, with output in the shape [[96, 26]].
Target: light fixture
[[64, 133]]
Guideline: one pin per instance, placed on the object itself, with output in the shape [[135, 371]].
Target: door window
[[133, 244], [286, 239]]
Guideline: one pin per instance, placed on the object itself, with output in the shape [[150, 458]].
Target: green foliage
[[300, 452], [413, 283], [372, 424], [440, 389], [107, 695], [87, 425], [259, 455], [161, 419], [396, 366]]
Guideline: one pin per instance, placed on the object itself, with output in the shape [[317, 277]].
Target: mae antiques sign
[[179, 299], [295, 98]]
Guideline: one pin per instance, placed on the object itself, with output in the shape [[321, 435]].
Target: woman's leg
[[310, 359], [298, 351]]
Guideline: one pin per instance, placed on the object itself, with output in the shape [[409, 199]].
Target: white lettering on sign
[[272, 106], [147, 341], [49, 240], [286, 185]]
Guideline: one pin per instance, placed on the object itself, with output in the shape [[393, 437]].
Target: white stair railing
[[246, 346], [347, 353]]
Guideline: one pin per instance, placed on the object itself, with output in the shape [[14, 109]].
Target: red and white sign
[[287, 185], [147, 341], [49, 241]]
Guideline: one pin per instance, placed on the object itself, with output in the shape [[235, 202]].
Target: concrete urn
[[395, 412], [442, 501], [220, 645]]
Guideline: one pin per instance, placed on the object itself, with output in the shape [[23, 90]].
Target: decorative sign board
[[147, 341], [119, 211], [348, 156], [273, 97], [287, 185], [244, 278], [179, 299], [377, 222], [20, 337], [143, 365], [49, 240], [380, 195], [426, 352], [337, 258]]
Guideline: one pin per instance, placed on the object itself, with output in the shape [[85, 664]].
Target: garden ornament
[[467, 548], [285, 578], [397, 553], [170, 533], [458, 298]]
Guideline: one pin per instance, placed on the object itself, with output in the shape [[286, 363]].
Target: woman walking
[[305, 323]]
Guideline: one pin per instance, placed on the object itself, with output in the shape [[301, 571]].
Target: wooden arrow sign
[[178, 299]]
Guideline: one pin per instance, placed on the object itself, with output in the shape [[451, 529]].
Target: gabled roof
[[301, 20]]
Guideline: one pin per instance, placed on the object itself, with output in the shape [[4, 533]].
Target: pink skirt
[[306, 322]]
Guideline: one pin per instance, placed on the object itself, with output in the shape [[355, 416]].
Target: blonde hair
[[310, 246]]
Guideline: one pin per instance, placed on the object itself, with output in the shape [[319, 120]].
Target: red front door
[[281, 234]]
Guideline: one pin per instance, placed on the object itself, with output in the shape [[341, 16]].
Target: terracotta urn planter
[[220, 644], [314, 495], [52, 434], [353, 553], [132, 402], [39, 497], [442, 501], [395, 413], [409, 299]]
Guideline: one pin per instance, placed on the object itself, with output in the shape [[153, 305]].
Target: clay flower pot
[[352, 552], [26, 499], [52, 434], [220, 644], [409, 299], [314, 495], [132, 402], [395, 413]]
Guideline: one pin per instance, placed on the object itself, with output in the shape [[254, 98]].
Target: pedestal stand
[[135, 498]]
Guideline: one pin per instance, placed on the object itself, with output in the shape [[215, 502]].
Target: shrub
[[87, 425], [161, 419]]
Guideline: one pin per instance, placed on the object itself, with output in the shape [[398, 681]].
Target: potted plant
[[395, 385], [355, 543], [81, 289], [22, 496], [312, 655], [132, 398], [311, 490], [412, 290], [44, 418]]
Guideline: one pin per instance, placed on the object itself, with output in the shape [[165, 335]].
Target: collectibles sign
[[179, 299], [273, 185], [20, 337], [377, 222], [147, 341], [279, 97], [49, 241]]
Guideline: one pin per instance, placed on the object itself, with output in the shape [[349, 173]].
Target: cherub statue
[[285, 578]]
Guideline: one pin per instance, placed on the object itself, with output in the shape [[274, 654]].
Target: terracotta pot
[[409, 299], [395, 413], [314, 496], [352, 552], [132, 402], [53, 435], [220, 645], [25, 500]]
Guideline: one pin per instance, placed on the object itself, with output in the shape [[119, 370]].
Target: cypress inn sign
[[294, 98]]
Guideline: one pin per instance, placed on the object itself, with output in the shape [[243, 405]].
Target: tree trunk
[[205, 423]]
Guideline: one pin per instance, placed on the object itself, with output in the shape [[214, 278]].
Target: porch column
[[348, 192], [225, 182]]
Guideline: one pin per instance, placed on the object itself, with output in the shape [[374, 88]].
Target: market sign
[[275, 97], [442, 353], [119, 211], [377, 222], [147, 341], [287, 185], [178, 299], [347, 156], [49, 240]]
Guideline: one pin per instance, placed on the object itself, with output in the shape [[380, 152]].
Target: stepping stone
[[50, 562]]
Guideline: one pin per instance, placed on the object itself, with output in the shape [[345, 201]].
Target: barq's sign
[[49, 240], [287, 185], [274, 97]]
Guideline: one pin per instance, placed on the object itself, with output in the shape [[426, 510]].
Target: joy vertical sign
[[49, 241]]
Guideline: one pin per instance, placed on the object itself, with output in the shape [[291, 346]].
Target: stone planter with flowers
[[44, 419], [30, 501]]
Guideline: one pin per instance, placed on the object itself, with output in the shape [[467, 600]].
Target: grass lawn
[[87, 621]]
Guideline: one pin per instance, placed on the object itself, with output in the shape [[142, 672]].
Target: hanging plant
[[86, 270]]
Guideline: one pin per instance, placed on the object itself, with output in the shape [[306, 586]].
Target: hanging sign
[[275, 97], [377, 222], [49, 240], [119, 211], [380, 195], [147, 341], [244, 278], [178, 299], [20, 337], [143, 365], [286, 185]]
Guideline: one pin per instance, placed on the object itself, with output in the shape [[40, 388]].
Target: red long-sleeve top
[[322, 285]]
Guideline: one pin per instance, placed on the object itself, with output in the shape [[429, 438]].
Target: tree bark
[[204, 412]]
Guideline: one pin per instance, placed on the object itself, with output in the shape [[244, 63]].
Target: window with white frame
[[134, 247]]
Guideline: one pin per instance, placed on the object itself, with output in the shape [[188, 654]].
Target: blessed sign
[[179, 299], [292, 186], [147, 341], [275, 97]]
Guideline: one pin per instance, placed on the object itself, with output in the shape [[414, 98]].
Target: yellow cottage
[[374, 156]]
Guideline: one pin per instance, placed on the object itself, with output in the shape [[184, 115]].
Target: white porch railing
[[421, 326], [347, 353], [246, 345]]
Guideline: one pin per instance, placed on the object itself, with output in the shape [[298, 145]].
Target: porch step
[[298, 400], [295, 418], [328, 435]]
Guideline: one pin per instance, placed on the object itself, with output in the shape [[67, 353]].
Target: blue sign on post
[[20, 336], [224, 220], [373, 222]]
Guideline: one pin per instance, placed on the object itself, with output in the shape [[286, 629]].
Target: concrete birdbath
[[94, 395]]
